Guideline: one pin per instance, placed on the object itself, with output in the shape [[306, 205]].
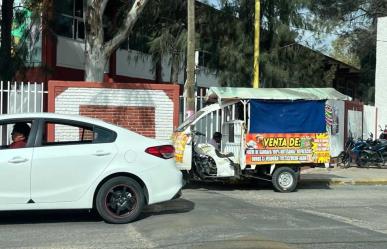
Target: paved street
[[217, 216]]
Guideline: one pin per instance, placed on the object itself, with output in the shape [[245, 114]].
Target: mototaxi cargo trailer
[[267, 134]]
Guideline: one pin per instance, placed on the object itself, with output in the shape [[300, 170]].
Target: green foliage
[[342, 52], [358, 20], [162, 31], [283, 63], [25, 32]]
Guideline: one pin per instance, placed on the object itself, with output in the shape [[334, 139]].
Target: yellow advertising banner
[[179, 142], [287, 148]]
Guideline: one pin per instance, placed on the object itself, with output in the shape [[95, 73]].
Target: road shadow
[[176, 206], [256, 185], [48, 216], [314, 185], [83, 215], [230, 186]]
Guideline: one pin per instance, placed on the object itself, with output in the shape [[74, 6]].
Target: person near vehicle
[[20, 134], [383, 135], [215, 140]]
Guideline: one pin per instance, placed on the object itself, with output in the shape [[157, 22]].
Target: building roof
[[228, 93]]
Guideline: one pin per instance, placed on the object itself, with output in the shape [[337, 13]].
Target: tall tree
[[357, 20], [282, 64], [163, 29], [100, 46], [6, 64], [341, 50]]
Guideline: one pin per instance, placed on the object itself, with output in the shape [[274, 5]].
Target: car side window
[[102, 135], [14, 135], [61, 133]]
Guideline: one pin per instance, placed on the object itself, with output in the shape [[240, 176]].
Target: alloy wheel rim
[[120, 201], [285, 180]]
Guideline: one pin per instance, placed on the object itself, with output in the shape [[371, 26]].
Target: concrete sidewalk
[[337, 176]]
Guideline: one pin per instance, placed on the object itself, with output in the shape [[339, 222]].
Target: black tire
[[363, 160], [340, 158], [346, 160], [285, 179], [343, 160], [120, 200]]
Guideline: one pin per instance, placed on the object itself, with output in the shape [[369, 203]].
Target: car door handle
[[18, 160], [101, 153]]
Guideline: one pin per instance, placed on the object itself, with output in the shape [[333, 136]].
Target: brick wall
[[148, 109], [381, 72], [137, 119]]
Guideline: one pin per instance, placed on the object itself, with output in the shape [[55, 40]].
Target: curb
[[337, 181]]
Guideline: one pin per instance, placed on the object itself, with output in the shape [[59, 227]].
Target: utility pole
[[257, 26], [189, 87]]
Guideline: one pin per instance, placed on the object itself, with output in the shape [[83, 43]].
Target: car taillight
[[163, 151]]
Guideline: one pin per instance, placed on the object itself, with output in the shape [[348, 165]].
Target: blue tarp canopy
[[302, 116]]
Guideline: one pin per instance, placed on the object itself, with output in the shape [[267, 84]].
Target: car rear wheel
[[120, 200], [285, 179]]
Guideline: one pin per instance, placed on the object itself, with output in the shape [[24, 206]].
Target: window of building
[[69, 21]]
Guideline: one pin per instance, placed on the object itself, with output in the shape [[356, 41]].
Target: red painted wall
[[138, 119]]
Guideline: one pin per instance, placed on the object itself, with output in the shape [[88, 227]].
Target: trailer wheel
[[285, 179]]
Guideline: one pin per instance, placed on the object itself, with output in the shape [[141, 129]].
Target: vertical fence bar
[[217, 120], [212, 124], [8, 96], [28, 96], [1, 97], [233, 112], [35, 98], [42, 97], [199, 125], [15, 97], [221, 119], [244, 112], [206, 126], [196, 102], [22, 97], [249, 117], [184, 105]]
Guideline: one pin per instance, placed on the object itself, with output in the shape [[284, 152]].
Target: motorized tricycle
[[267, 134]]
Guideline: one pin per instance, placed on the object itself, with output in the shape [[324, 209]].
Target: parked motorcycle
[[352, 151], [375, 154], [344, 158]]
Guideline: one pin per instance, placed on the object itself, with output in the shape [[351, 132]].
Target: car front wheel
[[120, 200]]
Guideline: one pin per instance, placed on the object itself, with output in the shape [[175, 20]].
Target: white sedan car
[[51, 161]]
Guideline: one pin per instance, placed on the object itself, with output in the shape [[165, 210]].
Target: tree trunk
[[6, 64], [95, 58], [95, 63]]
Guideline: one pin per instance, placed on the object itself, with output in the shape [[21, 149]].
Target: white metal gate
[[22, 97]]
